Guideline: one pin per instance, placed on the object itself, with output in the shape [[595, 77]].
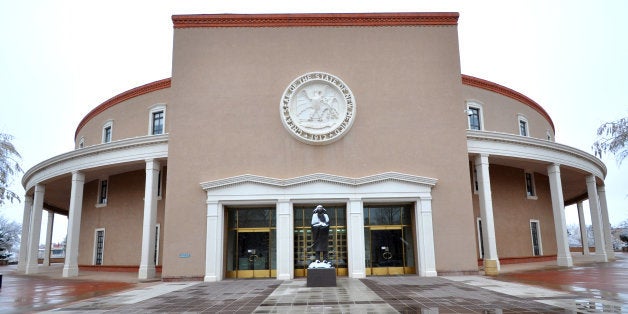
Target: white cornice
[[505, 144], [127, 150], [318, 177]]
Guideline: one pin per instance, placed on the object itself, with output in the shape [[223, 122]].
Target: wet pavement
[[528, 288]]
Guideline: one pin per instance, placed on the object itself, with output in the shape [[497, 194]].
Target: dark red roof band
[[319, 19], [140, 90], [494, 87]]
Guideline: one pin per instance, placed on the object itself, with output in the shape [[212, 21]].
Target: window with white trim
[[524, 128], [535, 232], [474, 112], [81, 143], [99, 246], [103, 187], [549, 135], [160, 182], [156, 259], [480, 237], [530, 186], [157, 120], [107, 132], [476, 185]]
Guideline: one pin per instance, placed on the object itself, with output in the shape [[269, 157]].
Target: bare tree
[[9, 236], [9, 167], [613, 138]]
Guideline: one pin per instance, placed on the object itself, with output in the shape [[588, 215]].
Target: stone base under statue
[[321, 277]]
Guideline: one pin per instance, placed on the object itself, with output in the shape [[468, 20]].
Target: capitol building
[[214, 172]]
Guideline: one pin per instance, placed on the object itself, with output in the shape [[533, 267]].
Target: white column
[[26, 223], [563, 257], [70, 268], [425, 237], [596, 220], [355, 238], [35, 229], [147, 262], [214, 242], [51, 217], [601, 193], [491, 260], [583, 229], [285, 240]]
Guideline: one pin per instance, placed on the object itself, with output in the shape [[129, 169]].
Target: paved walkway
[[586, 288]]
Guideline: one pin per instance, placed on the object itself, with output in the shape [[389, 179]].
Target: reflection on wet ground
[[601, 287], [586, 288], [25, 294]]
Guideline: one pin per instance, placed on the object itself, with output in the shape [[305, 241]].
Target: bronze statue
[[320, 233]]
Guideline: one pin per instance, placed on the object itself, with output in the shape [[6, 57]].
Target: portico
[[568, 170], [284, 194], [83, 166]]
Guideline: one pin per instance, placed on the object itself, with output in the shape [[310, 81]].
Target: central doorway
[[388, 236], [251, 249]]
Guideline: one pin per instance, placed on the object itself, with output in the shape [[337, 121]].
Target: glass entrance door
[[251, 248], [388, 236], [253, 254], [387, 252]]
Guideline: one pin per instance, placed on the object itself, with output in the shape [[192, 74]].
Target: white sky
[[60, 59]]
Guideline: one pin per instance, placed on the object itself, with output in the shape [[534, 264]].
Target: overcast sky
[[60, 59]]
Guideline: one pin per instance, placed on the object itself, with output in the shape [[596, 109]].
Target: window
[[81, 143], [159, 183], [480, 239], [549, 135], [535, 231], [156, 258], [530, 188], [523, 126], [107, 130], [99, 246], [476, 186], [102, 192], [474, 112], [157, 120]]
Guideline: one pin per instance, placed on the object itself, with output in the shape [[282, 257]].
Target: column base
[[283, 277], [566, 261], [70, 271], [358, 275], [491, 267], [210, 279], [31, 269], [429, 273], [601, 257], [146, 272]]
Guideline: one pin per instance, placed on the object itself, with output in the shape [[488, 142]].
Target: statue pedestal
[[321, 277]]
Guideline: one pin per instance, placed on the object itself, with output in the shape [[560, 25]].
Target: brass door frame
[[244, 274], [388, 270]]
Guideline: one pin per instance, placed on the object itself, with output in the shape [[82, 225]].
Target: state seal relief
[[317, 108]]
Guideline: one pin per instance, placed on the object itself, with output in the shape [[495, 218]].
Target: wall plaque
[[317, 108]]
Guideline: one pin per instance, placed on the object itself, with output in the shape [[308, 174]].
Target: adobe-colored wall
[[228, 82], [130, 118], [122, 220], [500, 113], [512, 211]]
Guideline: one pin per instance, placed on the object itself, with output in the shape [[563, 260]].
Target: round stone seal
[[317, 108]]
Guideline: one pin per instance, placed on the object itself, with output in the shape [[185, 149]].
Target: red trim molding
[[140, 90], [522, 260], [494, 87], [115, 268], [309, 19]]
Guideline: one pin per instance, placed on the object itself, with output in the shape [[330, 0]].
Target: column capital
[[591, 179]]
